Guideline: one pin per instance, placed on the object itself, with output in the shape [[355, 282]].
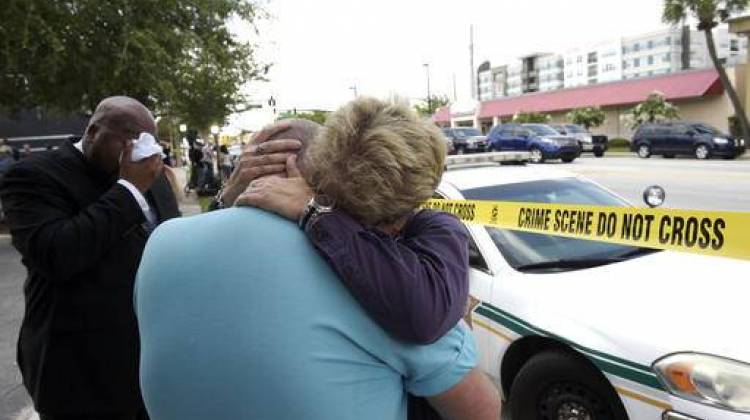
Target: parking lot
[[711, 185]]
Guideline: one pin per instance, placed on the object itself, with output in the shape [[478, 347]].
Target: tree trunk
[[739, 112]]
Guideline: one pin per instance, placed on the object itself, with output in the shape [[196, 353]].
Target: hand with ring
[[262, 157]]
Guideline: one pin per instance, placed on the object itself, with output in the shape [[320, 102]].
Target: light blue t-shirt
[[240, 318]]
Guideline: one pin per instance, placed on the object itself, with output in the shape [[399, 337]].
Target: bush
[[619, 143]]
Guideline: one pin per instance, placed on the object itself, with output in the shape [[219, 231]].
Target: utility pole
[[471, 62], [455, 96], [429, 98]]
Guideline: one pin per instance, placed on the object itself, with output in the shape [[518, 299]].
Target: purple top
[[415, 285]]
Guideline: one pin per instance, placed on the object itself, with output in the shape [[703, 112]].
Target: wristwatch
[[314, 209]]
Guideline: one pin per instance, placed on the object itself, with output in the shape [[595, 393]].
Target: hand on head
[[261, 158], [286, 197]]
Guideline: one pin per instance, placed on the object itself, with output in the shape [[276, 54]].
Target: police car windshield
[[541, 130], [537, 252]]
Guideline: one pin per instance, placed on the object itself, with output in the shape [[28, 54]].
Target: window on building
[[650, 44], [636, 75], [592, 81], [579, 59], [668, 40], [636, 47], [636, 62], [592, 58], [624, 64], [625, 50], [650, 60], [667, 58], [734, 45], [592, 71]]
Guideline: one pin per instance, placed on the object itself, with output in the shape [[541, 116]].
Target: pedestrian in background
[[80, 216]]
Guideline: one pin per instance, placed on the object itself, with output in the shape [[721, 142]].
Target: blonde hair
[[376, 160]]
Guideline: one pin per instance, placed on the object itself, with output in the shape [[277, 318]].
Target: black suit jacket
[[80, 237]]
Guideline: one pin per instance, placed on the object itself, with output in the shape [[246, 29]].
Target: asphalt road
[[711, 185], [13, 397], [689, 183]]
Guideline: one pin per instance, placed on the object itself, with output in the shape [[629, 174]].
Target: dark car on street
[[685, 138], [539, 139], [466, 139], [594, 143]]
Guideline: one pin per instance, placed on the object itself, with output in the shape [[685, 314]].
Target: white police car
[[580, 330]]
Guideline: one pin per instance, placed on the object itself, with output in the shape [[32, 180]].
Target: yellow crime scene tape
[[717, 233]]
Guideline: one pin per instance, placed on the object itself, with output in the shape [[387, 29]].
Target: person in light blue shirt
[[252, 324], [241, 318]]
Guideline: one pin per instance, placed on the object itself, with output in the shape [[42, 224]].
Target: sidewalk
[[189, 205]]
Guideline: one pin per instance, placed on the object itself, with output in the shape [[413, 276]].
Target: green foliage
[[654, 108], [531, 117], [176, 56], [618, 143], [436, 102], [588, 117], [316, 115], [708, 12]]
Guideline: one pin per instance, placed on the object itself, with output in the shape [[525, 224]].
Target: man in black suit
[[80, 217]]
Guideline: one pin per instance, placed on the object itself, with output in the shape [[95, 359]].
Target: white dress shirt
[[142, 202]]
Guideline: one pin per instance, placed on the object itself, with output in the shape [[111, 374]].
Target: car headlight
[[720, 140], [707, 379]]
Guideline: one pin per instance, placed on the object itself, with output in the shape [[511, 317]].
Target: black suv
[[466, 139], [685, 138]]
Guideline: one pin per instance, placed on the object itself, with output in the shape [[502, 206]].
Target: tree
[[709, 13], [654, 108], [176, 56], [316, 115], [531, 117], [588, 117], [435, 102]]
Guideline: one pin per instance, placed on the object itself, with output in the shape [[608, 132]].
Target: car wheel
[[644, 151], [568, 160], [702, 152], [556, 385], [536, 155], [599, 153]]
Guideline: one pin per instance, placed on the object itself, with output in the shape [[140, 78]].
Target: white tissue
[[146, 146]]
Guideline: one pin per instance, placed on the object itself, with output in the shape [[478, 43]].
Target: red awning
[[678, 86], [442, 114]]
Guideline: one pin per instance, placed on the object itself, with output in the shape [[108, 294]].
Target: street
[[690, 183], [712, 185]]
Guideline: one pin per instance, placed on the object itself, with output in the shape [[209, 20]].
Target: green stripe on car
[[608, 363]]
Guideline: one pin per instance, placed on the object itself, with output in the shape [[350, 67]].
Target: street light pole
[[429, 98]]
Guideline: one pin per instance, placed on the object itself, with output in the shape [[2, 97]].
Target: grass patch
[[204, 203]]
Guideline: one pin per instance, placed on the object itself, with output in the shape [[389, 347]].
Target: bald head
[[116, 120], [303, 130]]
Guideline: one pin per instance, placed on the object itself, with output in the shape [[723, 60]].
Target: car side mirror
[[475, 257]]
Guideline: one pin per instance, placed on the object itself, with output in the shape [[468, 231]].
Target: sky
[[321, 49]]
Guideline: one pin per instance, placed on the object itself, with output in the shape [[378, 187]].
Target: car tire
[[557, 385], [536, 155], [599, 153], [668, 156], [568, 160], [644, 151], [702, 152], [729, 157]]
